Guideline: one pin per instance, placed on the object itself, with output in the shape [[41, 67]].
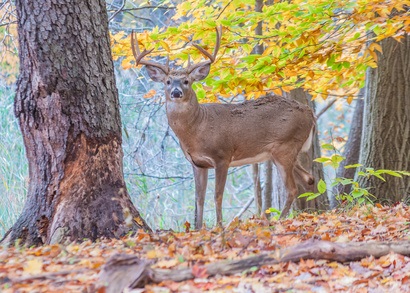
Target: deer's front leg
[[201, 180], [221, 172]]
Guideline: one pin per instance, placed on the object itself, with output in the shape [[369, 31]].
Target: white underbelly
[[262, 157]]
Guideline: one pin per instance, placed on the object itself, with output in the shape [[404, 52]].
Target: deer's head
[[177, 82]]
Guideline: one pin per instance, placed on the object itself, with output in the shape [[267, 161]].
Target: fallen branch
[[123, 271], [49, 275]]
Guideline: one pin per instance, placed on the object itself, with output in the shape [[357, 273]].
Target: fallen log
[[127, 271]]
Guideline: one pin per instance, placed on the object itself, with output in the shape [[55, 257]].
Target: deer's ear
[[156, 74], [200, 72]]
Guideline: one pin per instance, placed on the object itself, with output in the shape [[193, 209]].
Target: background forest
[[158, 177]]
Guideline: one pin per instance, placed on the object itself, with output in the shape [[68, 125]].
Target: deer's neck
[[184, 118]]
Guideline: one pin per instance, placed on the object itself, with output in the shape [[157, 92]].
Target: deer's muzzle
[[176, 94]]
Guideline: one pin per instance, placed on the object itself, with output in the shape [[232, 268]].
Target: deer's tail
[[308, 142]]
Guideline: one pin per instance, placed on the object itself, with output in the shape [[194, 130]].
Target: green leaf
[[321, 186], [336, 159], [353, 166], [322, 160], [306, 194], [357, 193], [273, 211], [346, 181], [331, 61], [379, 176], [328, 146], [390, 172], [313, 196]]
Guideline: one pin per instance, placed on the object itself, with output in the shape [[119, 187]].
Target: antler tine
[[206, 53], [139, 56]]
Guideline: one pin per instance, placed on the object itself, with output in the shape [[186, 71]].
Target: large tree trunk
[[68, 110], [386, 127]]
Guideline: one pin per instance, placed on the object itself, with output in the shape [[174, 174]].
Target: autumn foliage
[[323, 46]]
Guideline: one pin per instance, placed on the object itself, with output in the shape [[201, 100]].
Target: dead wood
[[123, 271]]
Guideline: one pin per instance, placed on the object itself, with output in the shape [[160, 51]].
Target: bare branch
[[330, 104], [118, 11]]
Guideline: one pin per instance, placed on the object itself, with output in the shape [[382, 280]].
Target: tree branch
[[321, 112]]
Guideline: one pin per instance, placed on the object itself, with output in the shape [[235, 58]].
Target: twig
[[238, 215], [147, 7], [118, 11], [325, 109]]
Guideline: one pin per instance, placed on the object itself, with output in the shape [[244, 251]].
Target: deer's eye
[[168, 82], [186, 82]]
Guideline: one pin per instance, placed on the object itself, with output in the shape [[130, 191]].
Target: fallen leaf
[[34, 266]]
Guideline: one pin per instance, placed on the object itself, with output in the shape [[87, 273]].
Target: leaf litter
[[75, 267]]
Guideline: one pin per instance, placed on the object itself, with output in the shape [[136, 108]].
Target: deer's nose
[[176, 94]]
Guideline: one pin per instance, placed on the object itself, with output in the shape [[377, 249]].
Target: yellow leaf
[[152, 254], [277, 91], [349, 99], [34, 266], [373, 54], [184, 38], [126, 64], [165, 46], [375, 46]]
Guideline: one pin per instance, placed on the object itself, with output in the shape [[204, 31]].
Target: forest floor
[[76, 267]]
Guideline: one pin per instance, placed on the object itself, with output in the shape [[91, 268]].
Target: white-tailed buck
[[224, 135]]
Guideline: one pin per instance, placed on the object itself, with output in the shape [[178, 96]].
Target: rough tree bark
[[386, 125], [68, 110]]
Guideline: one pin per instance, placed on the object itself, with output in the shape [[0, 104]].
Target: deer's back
[[272, 116]]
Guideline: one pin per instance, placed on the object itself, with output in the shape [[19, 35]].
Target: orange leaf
[[187, 226]]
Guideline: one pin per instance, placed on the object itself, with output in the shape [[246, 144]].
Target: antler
[[206, 53], [139, 56]]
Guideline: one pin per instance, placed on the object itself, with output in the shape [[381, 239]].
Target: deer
[[219, 136]]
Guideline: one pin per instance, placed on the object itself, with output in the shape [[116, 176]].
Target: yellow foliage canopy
[[319, 45]]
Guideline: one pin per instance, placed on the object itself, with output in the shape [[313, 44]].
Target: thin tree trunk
[[352, 147], [279, 192], [257, 190], [68, 111], [386, 128], [255, 167]]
